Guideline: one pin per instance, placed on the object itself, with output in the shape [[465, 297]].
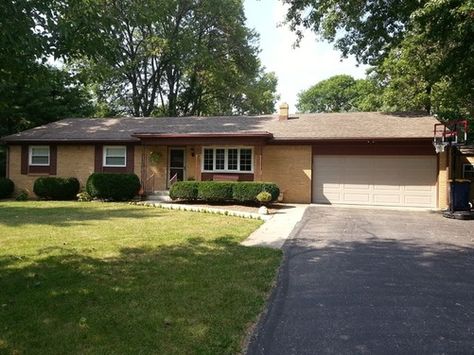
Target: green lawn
[[93, 278]]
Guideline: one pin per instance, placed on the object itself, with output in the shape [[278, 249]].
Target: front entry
[[176, 164]]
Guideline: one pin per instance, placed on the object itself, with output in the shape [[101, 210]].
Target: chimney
[[284, 108]]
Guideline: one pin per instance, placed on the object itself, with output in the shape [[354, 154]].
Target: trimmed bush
[[247, 192], [264, 197], [6, 187], [56, 188], [215, 191], [220, 191], [117, 187], [184, 190]]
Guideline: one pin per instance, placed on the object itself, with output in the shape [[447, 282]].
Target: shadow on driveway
[[367, 281]]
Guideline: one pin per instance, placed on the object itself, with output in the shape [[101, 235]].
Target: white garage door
[[404, 181]]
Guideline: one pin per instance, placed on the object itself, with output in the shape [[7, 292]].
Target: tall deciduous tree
[[422, 50], [340, 93], [163, 57], [32, 92]]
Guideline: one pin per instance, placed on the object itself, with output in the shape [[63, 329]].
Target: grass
[[92, 278]]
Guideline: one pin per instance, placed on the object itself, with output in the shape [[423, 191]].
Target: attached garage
[[378, 180]]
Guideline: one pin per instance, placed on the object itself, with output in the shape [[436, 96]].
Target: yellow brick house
[[354, 158]]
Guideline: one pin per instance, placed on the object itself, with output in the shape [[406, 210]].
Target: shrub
[[118, 187], [184, 190], [56, 188], [219, 191], [247, 191], [6, 187], [215, 191], [22, 196], [84, 196], [264, 197]]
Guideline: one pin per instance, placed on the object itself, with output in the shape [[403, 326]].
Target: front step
[[159, 196]]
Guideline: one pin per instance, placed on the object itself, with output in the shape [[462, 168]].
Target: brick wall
[[290, 167], [72, 161]]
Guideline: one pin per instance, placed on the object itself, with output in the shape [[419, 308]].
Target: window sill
[[226, 172]]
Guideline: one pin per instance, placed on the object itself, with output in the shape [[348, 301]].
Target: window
[[468, 171], [220, 159], [246, 159], [232, 159], [228, 160], [39, 155], [115, 156], [208, 159]]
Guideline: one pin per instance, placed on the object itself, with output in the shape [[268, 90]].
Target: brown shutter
[[53, 159], [24, 160], [98, 158], [130, 158]]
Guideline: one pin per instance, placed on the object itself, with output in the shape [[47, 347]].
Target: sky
[[296, 68]]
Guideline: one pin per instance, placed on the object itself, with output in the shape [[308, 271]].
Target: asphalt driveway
[[372, 281]]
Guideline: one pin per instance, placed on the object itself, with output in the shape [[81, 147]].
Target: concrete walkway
[[276, 231]]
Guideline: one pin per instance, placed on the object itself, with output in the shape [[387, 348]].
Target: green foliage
[[40, 94], [56, 188], [215, 191], [167, 57], [247, 192], [84, 196], [6, 187], [22, 196], [184, 190], [116, 187], [422, 50], [340, 93], [264, 197]]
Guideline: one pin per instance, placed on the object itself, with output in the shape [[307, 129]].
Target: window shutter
[[98, 158], [130, 158], [53, 159], [24, 160]]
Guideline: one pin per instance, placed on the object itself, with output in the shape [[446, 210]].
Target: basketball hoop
[[452, 133]]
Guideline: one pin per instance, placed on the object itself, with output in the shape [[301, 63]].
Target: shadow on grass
[[66, 213], [197, 297], [371, 296]]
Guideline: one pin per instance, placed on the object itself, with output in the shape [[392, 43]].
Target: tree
[[32, 92], [338, 94], [162, 57], [44, 94], [422, 50]]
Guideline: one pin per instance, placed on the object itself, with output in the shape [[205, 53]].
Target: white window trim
[[226, 160], [464, 170], [30, 155], [104, 156]]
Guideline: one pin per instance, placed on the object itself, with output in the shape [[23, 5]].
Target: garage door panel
[[375, 180], [359, 198], [393, 199]]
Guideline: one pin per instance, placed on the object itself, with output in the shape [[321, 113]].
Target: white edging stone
[[189, 208]]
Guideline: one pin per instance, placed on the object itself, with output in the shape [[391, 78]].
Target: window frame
[[30, 155], [226, 160], [471, 171], [105, 156]]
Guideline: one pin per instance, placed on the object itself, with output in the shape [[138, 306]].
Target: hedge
[[6, 187], [56, 188], [214, 191], [217, 191], [247, 191], [117, 187], [184, 190]]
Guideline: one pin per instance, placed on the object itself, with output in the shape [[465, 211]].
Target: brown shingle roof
[[322, 126]]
